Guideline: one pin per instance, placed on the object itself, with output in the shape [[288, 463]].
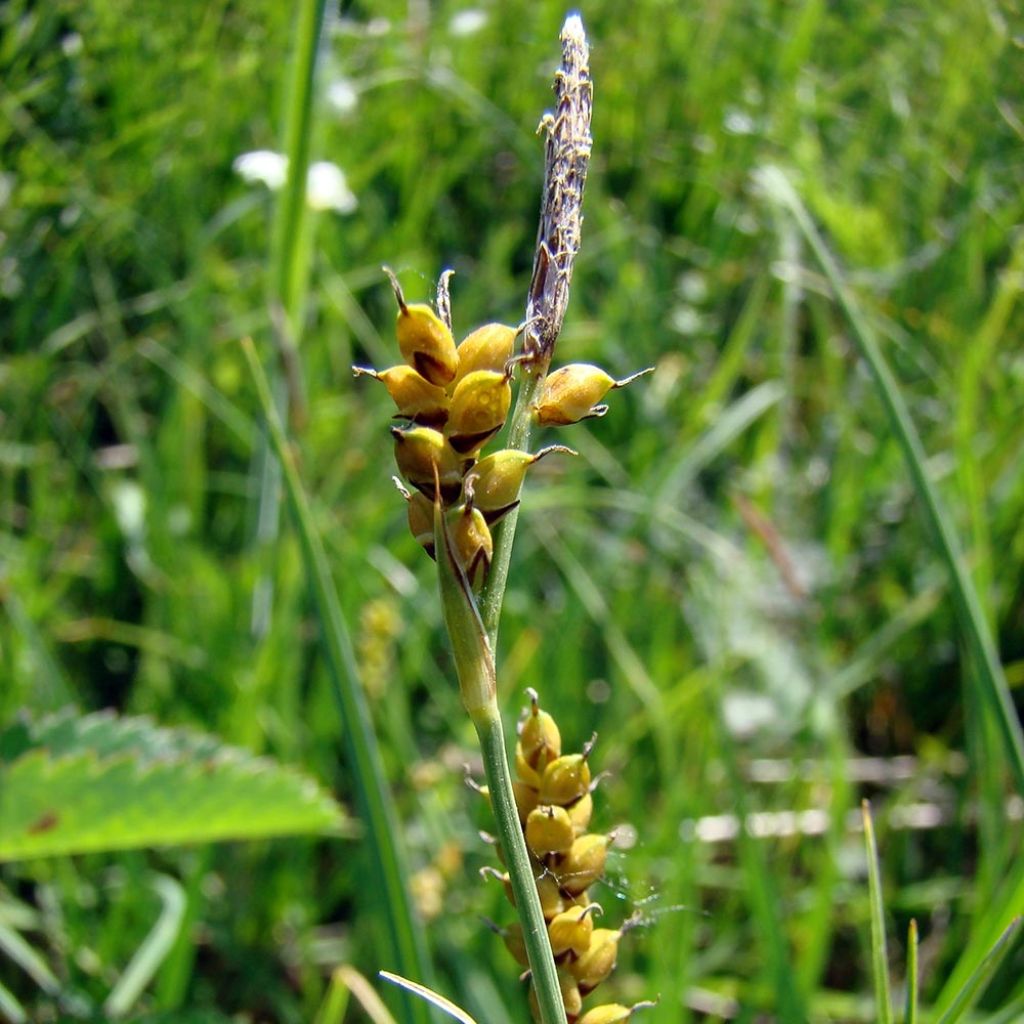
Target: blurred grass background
[[733, 585]]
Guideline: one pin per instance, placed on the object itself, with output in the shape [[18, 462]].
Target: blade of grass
[[432, 997], [981, 976], [287, 279], [347, 980], [16, 949], [1006, 905], [153, 950], [289, 253], [910, 1013], [10, 1007], [1012, 1013], [335, 1003], [996, 692], [376, 808], [879, 953]]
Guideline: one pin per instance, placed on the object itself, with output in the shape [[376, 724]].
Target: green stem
[[289, 255], [474, 663], [524, 887], [287, 281], [375, 806], [520, 426]]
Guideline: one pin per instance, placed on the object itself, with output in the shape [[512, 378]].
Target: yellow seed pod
[[565, 779], [424, 340], [593, 966], [471, 540], [479, 406], [552, 901], [571, 930], [572, 1000], [610, 1013], [526, 799], [487, 348], [421, 520], [498, 478], [415, 397], [515, 944], [548, 830], [418, 451], [584, 863], [571, 393], [539, 736], [580, 813], [526, 773]]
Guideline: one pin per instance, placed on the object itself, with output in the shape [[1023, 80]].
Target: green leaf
[[474, 658], [432, 997], [910, 1013], [71, 784], [879, 954], [975, 984]]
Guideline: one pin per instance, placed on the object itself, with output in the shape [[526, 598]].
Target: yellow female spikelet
[[572, 393], [611, 1013], [419, 452], [424, 339], [498, 478], [549, 830], [471, 540], [414, 396], [479, 406], [487, 348]]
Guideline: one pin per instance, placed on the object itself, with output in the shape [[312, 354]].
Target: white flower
[[326, 187], [342, 96], [263, 166], [467, 22]]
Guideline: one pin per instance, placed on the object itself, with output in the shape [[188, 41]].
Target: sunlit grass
[[734, 570]]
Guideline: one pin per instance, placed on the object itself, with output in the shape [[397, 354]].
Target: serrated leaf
[[71, 784], [105, 734]]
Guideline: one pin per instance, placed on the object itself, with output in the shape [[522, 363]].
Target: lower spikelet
[[554, 796]]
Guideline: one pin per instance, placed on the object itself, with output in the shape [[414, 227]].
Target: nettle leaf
[[74, 784]]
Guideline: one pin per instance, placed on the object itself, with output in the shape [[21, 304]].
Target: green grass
[[736, 569]]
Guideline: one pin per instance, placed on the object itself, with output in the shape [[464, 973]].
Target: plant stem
[[474, 663], [289, 254], [517, 860], [520, 426], [287, 282]]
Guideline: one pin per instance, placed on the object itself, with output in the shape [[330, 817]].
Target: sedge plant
[[462, 503]]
